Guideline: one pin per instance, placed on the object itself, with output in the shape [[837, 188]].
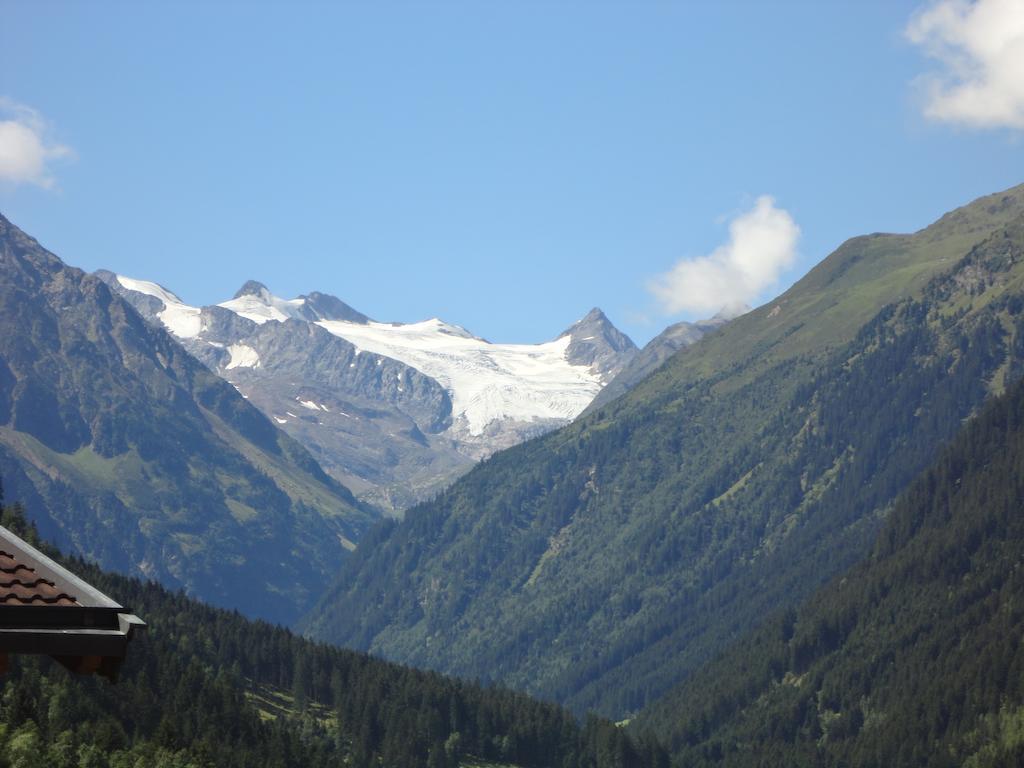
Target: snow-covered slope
[[261, 305], [407, 406], [180, 319], [488, 382]]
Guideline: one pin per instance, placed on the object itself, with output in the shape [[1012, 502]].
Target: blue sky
[[505, 166]]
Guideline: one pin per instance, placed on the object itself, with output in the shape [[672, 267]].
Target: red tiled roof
[[46, 609], [20, 585]]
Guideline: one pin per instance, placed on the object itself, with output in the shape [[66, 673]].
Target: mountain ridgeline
[[601, 564], [913, 657], [659, 349], [130, 452]]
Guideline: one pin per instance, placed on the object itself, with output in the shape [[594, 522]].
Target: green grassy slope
[[913, 657], [604, 562], [131, 452]]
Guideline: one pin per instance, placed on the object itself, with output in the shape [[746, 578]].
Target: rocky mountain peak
[[596, 342], [324, 306], [252, 288]]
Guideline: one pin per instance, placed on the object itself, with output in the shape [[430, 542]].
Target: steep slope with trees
[[913, 657], [205, 687], [603, 563]]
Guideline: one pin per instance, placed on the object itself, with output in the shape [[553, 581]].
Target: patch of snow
[[291, 414], [280, 421], [155, 290], [522, 382], [242, 356], [265, 306], [178, 317], [311, 405]]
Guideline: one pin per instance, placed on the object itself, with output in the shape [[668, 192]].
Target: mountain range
[[797, 542], [395, 411], [602, 563]]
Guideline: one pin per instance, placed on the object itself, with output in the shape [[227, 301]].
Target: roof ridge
[[28, 589], [61, 598], [25, 583]]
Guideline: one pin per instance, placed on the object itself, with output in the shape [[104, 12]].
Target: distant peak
[[252, 288], [594, 318], [324, 306], [595, 329]]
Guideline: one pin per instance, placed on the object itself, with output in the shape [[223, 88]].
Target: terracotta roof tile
[[19, 585]]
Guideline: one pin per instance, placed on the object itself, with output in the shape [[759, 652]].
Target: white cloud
[[25, 150], [762, 244], [980, 49]]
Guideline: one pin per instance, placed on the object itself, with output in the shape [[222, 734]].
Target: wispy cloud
[[979, 47], [25, 148], [762, 244]]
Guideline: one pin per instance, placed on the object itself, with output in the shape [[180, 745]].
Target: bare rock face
[[594, 341]]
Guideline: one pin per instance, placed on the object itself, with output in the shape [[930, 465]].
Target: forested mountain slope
[[603, 563], [204, 687], [129, 451], [913, 657]]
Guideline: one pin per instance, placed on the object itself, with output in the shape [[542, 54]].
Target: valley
[[504, 385], [677, 554], [602, 563]]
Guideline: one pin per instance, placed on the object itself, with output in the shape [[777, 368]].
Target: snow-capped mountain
[[394, 410]]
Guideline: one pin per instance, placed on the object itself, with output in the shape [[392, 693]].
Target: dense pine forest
[[207, 687], [914, 657]]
